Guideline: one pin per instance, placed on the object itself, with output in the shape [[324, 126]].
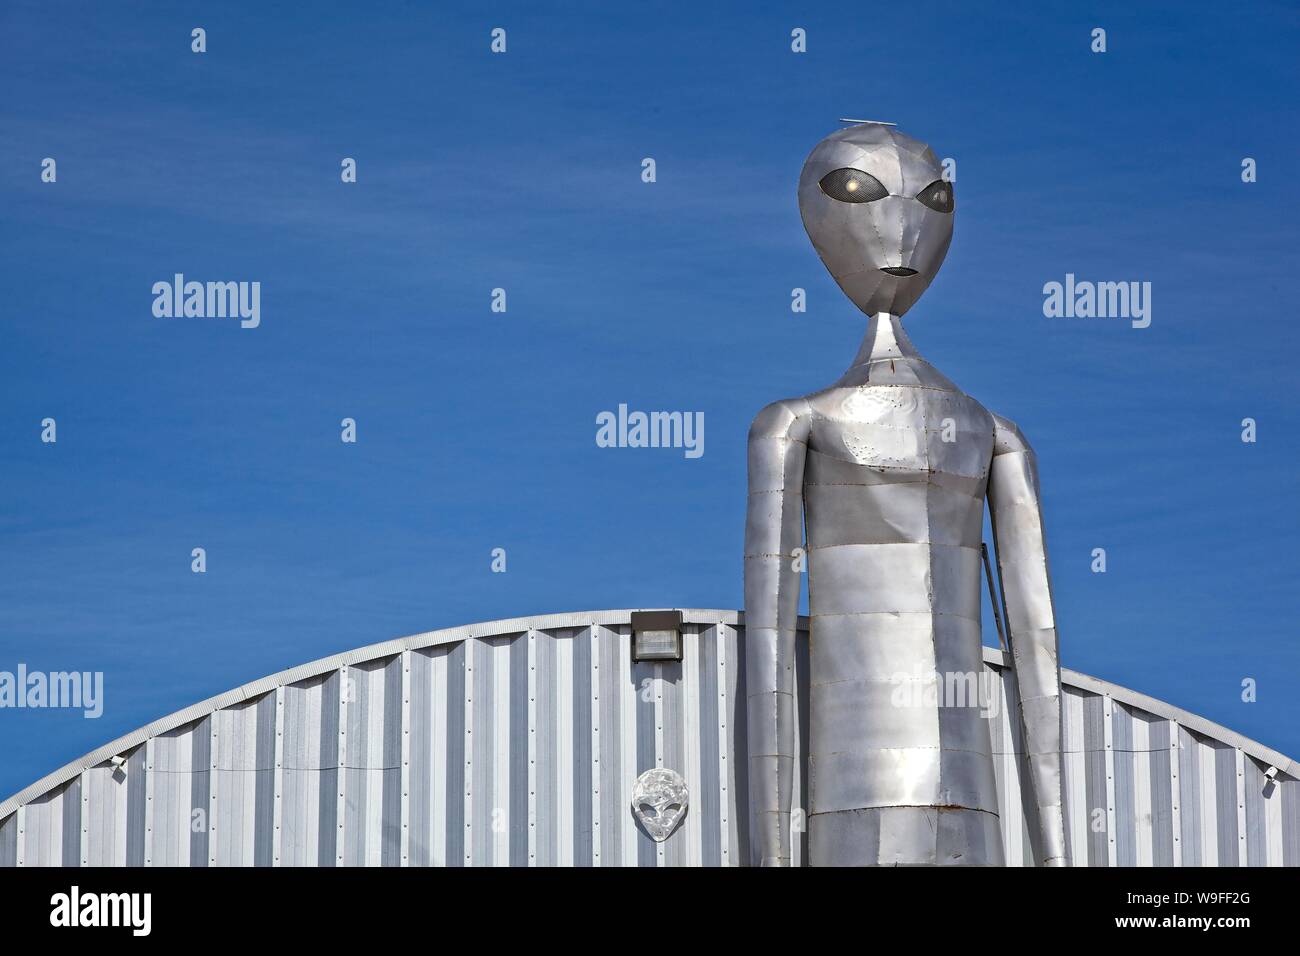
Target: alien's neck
[[885, 339]]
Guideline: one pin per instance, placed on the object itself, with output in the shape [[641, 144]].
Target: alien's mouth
[[899, 271]]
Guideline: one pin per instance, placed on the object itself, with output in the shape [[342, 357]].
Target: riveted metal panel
[[104, 790], [676, 852], [72, 823], [264, 780], [626, 688], [691, 763], [1228, 802], [424, 792], [711, 811], [493, 705], [9, 840], [1124, 762], [1161, 789], [43, 829], [508, 706], [1095, 809], [277, 778], [549, 752], [584, 820], [1290, 820], [173, 790], [338, 692], [309, 750], [431, 754], [1074, 777], [742, 819], [135, 806], [200, 743], [732, 848], [457, 754], [371, 764], [235, 770], [1192, 807], [613, 790], [390, 833], [646, 681], [482, 813], [1256, 814], [515, 798]]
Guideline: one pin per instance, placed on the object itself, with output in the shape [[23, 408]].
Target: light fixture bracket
[[656, 636]]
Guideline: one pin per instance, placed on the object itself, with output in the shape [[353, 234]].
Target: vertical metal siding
[[302, 772], [671, 685], [200, 742], [1159, 735], [43, 828], [104, 790], [579, 658], [235, 771], [371, 763], [1256, 821], [1225, 786], [1124, 772], [546, 775], [517, 732], [433, 765], [135, 806], [1290, 819], [1094, 810], [264, 785], [173, 781], [521, 748], [456, 755], [744, 847], [648, 698], [1189, 756], [9, 840], [1074, 776], [482, 814], [710, 788]]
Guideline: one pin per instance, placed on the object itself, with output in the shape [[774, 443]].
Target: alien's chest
[[891, 464], [909, 431]]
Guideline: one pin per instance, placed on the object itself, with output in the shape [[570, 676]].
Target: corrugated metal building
[[518, 742]]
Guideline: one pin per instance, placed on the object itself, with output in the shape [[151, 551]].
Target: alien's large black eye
[[852, 185], [937, 195]]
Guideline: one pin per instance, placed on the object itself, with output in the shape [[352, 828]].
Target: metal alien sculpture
[[888, 469], [659, 800]]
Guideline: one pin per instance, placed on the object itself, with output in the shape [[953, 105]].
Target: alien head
[[659, 801], [879, 214]]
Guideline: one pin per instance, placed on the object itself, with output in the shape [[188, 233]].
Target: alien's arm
[[773, 530], [1022, 562]]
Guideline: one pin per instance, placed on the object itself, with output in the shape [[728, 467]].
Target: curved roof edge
[[515, 625]]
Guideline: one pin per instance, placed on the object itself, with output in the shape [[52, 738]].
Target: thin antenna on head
[[844, 119]]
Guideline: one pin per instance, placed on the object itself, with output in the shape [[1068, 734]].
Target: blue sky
[[476, 430]]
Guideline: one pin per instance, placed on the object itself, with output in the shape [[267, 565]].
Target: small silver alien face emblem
[[659, 801]]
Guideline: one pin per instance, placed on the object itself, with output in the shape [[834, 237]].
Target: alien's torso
[[894, 483]]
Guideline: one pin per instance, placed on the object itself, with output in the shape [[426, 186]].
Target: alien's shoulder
[[787, 418], [1007, 436]]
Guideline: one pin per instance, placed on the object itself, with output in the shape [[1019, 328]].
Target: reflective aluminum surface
[[887, 470]]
